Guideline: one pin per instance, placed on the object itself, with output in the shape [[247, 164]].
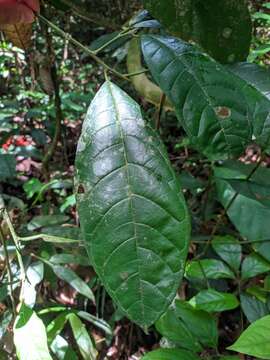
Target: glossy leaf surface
[[220, 112], [132, 212], [209, 268], [254, 265], [257, 76], [255, 340], [214, 301], [253, 308], [221, 27], [229, 249]]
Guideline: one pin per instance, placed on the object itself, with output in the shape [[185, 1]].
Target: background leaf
[[170, 354], [222, 28], [255, 340], [217, 122], [198, 327], [30, 336], [229, 249], [82, 338], [254, 265], [213, 301], [209, 268], [251, 224], [253, 308]]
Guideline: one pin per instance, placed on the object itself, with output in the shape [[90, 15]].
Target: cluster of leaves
[[135, 221]]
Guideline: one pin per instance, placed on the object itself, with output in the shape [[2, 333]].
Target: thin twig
[[9, 271], [16, 241], [83, 47]]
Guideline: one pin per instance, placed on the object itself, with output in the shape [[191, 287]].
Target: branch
[[83, 47]]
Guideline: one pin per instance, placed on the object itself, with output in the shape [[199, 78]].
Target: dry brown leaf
[[19, 34]]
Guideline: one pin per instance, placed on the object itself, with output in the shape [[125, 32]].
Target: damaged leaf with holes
[[221, 112], [132, 212]]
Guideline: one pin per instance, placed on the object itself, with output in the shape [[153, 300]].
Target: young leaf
[[253, 308], [30, 337], [213, 301], [82, 338], [255, 340], [229, 249], [222, 28], [254, 265], [132, 212], [170, 354], [218, 123], [209, 268]]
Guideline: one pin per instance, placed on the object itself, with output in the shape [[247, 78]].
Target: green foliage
[[75, 262], [138, 230], [218, 123], [170, 354], [188, 327], [214, 301], [222, 28], [255, 339], [30, 336]]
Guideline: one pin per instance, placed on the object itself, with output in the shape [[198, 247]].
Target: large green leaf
[[231, 179], [221, 27], [255, 340], [132, 212], [220, 112], [170, 354], [30, 336]]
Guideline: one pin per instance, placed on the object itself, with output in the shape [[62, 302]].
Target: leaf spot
[[223, 112]]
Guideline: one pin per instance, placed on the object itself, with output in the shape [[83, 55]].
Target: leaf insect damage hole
[[81, 189]]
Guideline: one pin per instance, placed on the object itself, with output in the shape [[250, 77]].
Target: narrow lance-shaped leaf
[[222, 27], [220, 112], [132, 212]]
